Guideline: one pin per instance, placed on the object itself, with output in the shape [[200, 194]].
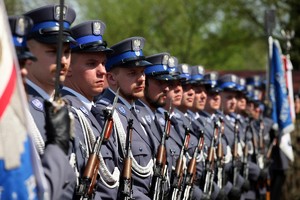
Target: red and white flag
[[21, 176], [288, 67]]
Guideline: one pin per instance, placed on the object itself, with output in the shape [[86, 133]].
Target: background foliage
[[220, 35]]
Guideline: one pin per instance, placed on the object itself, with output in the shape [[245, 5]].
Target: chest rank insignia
[[122, 110], [37, 104]]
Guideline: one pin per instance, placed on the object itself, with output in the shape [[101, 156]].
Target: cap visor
[[136, 63], [52, 39], [94, 49], [26, 55]]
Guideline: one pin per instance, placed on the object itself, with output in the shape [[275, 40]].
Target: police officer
[[250, 170], [59, 176], [85, 79], [42, 42], [228, 84], [125, 73], [20, 26], [155, 94]]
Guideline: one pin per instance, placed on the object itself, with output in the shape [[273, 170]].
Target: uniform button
[[140, 149]]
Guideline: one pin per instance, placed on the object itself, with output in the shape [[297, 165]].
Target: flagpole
[[288, 36], [269, 26]]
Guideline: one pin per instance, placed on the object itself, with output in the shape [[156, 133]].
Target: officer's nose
[[101, 69]]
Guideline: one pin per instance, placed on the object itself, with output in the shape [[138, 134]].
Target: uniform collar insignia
[[84, 110]]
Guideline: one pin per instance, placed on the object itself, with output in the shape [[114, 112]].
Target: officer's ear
[[111, 78]]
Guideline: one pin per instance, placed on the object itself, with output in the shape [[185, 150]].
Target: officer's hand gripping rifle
[[160, 167], [90, 174], [177, 174], [191, 170], [125, 188], [220, 155]]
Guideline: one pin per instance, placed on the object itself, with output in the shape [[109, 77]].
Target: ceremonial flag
[[19, 173], [281, 114]]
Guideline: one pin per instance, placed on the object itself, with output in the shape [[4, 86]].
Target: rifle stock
[[235, 155], [209, 164], [191, 170], [246, 154], [90, 174], [125, 188], [159, 177], [220, 155], [177, 174]]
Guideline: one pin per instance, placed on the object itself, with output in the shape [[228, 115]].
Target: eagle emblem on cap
[[233, 78], [96, 28], [57, 12], [200, 69], [165, 59], [185, 68], [171, 62], [20, 26], [136, 45]]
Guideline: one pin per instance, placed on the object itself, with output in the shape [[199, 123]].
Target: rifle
[[268, 157], [125, 188], [59, 52], [220, 155], [209, 164], [246, 154], [191, 170], [90, 175], [261, 150], [159, 176], [177, 174], [235, 155]]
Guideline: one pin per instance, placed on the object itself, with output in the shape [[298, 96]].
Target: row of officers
[[135, 126]]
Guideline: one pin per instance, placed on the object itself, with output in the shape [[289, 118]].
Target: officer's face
[[175, 93], [241, 103], [188, 96], [87, 73], [200, 98], [130, 80], [229, 101], [42, 72], [156, 92], [213, 102]]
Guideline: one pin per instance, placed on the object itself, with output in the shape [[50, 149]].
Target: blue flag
[[281, 114]]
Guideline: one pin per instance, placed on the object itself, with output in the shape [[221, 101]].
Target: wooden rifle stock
[[246, 154], [191, 170], [158, 179], [177, 174], [90, 174], [235, 154], [209, 164], [268, 157], [125, 188], [220, 155]]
